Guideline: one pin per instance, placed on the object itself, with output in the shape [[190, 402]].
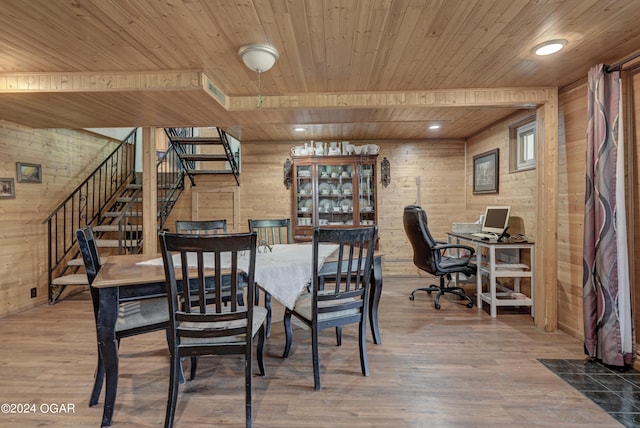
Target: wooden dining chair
[[207, 227], [270, 232], [199, 326], [134, 316], [340, 291]]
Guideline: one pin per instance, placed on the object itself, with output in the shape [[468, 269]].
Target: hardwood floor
[[455, 367]]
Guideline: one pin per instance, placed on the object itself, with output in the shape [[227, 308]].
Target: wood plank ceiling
[[348, 69]]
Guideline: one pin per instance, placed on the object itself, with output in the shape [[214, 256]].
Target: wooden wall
[[516, 189], [439, 165], [66, 157], [571, 185]]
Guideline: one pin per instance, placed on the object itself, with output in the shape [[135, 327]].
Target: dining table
[[283, 270]]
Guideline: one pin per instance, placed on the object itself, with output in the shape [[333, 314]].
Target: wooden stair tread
[[118, 213], [80, 262], [203, 157], [114, 228], [209, 171], [196, 140], [73, 279], [115, 243]]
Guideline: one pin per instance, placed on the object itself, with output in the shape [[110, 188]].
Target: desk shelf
[[492, 268]]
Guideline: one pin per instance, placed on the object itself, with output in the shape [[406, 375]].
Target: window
[[522, 154], [526, 147]]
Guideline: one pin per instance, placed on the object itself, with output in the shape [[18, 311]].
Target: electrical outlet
[[34, 292]]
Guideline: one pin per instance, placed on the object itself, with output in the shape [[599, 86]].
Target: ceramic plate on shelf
[[326, 204], [308, 188], [333, 189], [308, 203], [346, 188], [347, 202], [324, 188]]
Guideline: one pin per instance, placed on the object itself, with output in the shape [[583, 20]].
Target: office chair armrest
[[445, 247]]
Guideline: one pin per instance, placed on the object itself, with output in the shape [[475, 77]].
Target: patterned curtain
[[608, 327]]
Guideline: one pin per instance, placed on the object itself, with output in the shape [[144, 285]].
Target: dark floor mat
[[617, 392]]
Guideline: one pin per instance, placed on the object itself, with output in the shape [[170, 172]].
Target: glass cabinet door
[[366, 186], [335, 194], [304, 197]]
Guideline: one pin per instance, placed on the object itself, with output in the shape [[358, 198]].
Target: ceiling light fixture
[[549, 47], [299, 129], [434, 127], [258, 58]]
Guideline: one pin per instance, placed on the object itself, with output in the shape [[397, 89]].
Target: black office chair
[[431, 256]]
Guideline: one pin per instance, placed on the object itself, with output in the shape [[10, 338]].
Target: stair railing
[[170, 178], [180, 149], [189, 165], [84, 206], [230, 156]]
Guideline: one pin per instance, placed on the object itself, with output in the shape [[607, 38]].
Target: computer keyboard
[[485, 235]]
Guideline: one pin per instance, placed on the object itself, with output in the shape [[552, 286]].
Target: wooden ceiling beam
[[491, 97], [174, 80]]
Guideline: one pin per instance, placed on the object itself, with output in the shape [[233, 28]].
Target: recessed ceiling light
[[299, 129], [434, 127], [550, 47]]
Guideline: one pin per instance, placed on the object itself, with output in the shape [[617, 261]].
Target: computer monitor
[[496, 219]]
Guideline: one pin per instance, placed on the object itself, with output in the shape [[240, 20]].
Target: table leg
[[492, 282], [108, 347], [374, 299]]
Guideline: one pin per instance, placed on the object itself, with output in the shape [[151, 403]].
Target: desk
[[139, 275], [491, 267]]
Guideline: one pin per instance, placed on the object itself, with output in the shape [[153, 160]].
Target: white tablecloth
[[283, 272]]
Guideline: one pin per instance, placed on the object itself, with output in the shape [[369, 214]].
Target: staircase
[[110, 200], [204, 154]]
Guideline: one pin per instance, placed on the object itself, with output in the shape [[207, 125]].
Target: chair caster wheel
[[429, 292], [411, 297], [469, 305], [437, 306]]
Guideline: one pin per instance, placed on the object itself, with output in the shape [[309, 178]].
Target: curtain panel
[[608, 326]]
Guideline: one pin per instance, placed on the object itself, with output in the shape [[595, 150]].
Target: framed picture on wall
[[485, 172], [29, 172], [7, 188]]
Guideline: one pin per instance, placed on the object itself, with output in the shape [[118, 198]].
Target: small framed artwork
[[7, 188], [486, 172], [29, 172]]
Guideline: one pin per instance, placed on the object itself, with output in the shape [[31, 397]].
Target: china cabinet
[[333, 191]]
